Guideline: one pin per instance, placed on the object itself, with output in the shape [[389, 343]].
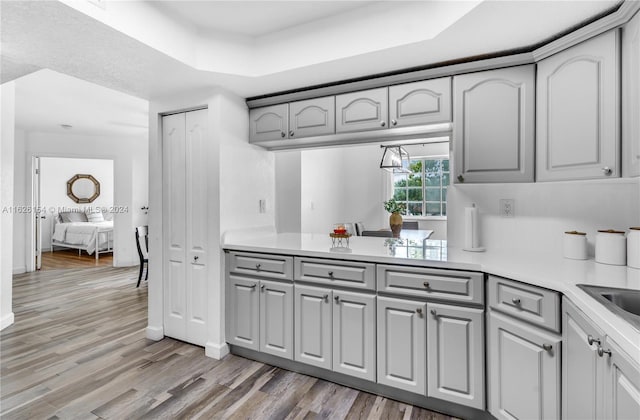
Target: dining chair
[[143, 250]]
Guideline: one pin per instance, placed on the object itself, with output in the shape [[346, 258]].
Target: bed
[[78, 231]]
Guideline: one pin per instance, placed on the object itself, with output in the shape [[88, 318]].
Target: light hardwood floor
[[78, 350], [69, 259]]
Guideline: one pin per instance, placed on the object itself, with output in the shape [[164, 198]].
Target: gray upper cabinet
[[455, 354], [494, 131], [622, 383], [364, 110], [524, 370], [631, 98], [269, 123], [314, 117], [578, 133], [417, 103], [402, 339], [582, 368], [313, 325]]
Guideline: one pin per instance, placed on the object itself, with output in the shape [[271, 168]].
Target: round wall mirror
[[83, 188]]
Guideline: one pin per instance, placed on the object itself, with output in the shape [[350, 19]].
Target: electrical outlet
[[507, 207], [262, 205]]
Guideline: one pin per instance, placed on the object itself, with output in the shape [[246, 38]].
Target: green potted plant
[[395, 220]]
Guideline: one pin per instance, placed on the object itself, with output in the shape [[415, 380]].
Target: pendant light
[[393, 159]]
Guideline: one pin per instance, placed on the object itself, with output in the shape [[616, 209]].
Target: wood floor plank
[[78, 350]]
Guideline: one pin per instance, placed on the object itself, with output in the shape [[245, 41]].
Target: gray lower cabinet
[[524, 370], [582, 368], [268, 123], [313, 325], [622, 383], [402, 339], [494, 127], [578, 111], [260, 315], [354, 334], [363, 110], [455, 354]]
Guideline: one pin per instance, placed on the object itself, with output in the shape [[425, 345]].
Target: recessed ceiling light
[[66, 126]]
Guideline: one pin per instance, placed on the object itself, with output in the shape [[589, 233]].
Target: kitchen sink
[[623, 302]]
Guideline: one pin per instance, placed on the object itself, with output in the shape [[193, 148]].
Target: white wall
[[543, 211], [288, 191], [126, 153], [54, 174], [238, 177], [7, 126], [20, 220]]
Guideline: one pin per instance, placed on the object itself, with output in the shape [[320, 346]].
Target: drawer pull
[[326, 298], [547, 347], [426, 284], [602, 352], [337, 299], [258, 267], [419, 311], [592, 340], [330, 273], [516, 301], [252, 287], [262, 288], [434, 313]]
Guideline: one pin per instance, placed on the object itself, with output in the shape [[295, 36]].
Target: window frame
[[424, 189]]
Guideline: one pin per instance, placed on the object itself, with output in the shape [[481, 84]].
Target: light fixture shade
[[394, 158]]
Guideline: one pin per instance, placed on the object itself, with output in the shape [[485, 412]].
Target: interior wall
[[7, 142], [288, 166], [20, 220], [543, 211], [54, 174], [126, 153]]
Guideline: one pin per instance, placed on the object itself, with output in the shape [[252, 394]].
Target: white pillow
[[95, 217]]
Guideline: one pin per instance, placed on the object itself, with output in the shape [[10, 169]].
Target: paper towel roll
[[471, 228]]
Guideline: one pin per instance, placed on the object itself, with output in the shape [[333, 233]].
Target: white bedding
[[82, 234]]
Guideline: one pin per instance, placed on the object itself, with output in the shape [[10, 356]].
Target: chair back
[[410, 225], [142, 242], [378, 233], [359, 228]]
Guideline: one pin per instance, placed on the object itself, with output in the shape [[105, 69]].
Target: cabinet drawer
[[533, 304], [355, 274], [460, 286], [263, 265]]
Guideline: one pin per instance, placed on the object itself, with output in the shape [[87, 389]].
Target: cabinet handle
[[337, 299], [460, 178], [434, 313], [547, 347], [330, 273], [419, 311], [394, 122], [195, 258], [426, 284], [291, 133], [607, 170], [283, 134], [592, 340], [602, 352], [326, 298], [383, 123], [262, 288], [516, 301], [258, 267], [252, 287]]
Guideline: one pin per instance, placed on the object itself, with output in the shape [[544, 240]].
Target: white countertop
[[550, 271]]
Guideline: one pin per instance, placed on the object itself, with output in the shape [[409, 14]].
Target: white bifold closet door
[[185, 225]]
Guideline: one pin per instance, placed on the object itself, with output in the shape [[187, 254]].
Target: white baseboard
[[154, 333], [20, 270], [6, 321], [215, 350]]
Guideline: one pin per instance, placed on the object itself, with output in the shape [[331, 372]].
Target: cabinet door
[[494, 134], [354, 334], [314, 117], [631, 97], [402, 336], [243, 312], [524, 378], [276, 318], [455, 354], [425, 102], [582, 369], [365, 110], [313, 325], [622, 385], [578, 112], [268, 123]]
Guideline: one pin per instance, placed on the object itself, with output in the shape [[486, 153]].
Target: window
[[424, 189]]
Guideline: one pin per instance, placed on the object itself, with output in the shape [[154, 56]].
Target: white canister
[[633, 247], [611, 247], [575, 245]]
